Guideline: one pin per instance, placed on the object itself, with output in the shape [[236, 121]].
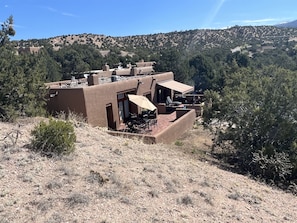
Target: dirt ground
[[114, 179]]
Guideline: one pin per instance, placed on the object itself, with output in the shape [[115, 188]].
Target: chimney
[[105, 67], [133, 71], [93, 79]]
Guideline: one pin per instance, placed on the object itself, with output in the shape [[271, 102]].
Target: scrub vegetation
[[248, 75]]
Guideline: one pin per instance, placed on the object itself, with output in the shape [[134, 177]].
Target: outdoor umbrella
[[142, 102]]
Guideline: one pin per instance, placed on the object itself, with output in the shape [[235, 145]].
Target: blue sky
[[49, 18]]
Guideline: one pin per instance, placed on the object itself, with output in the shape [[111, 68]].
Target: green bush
[[53, 138], [178, 143], [255, 121]]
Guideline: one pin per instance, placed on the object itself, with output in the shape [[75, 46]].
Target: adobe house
[[102, 97]]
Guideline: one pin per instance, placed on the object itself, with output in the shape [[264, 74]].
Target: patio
[[167, 127], [155, 126]]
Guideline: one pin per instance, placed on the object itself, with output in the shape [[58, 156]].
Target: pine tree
[[21, 80], [259, 110]]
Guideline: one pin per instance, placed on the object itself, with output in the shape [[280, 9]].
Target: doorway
[[123, 104], [109, 114], [162, 94]]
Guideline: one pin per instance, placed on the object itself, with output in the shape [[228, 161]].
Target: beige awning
[[142, 102], [176, 86]]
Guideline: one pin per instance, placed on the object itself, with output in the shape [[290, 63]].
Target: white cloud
[[61, 13], [68, 14], [256, 21], [51, 9], [259, 20]]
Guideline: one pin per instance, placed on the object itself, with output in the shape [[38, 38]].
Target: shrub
[[276, 167], [53, 138], [186, 200], [178, 143], [78, 120], [77, 199]]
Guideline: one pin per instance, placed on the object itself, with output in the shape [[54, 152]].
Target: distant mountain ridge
[[292, 24], [259, 37]]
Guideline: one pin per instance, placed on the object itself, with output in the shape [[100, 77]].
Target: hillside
[[292, 24], [190, 40], [110, 179]]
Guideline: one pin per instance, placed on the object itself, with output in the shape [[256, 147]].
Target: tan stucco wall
[[198, 108], [177, 128], [67, 99]]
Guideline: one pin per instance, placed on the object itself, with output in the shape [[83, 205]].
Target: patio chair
[[152, 114], [133, 116], [169, 102]]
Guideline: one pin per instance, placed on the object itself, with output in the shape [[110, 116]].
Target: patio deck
[[167, 128], [162, 122]]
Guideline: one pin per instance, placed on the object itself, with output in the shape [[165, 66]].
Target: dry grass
[[111, 179]]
